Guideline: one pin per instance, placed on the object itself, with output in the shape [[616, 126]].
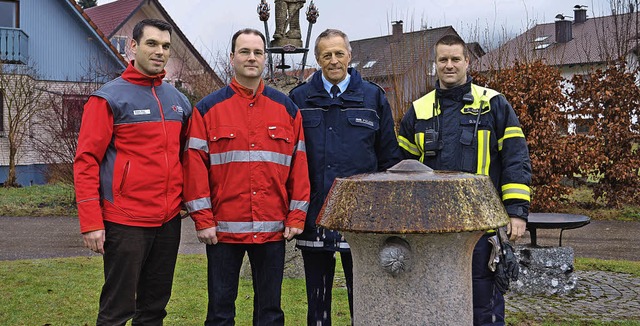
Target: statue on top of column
[[288, 16]]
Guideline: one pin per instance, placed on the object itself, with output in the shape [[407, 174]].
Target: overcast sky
[[209, 24]]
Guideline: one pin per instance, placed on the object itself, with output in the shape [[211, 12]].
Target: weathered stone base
[[545, 270]]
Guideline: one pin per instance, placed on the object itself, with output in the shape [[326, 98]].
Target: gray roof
[[593, 41], [382, 56]]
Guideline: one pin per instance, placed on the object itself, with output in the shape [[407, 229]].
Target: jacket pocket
[[468, 141], [221, 133], [221, 139], [125, 173], [363, 118], [280, 132]]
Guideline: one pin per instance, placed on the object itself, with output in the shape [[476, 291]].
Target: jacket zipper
[[166, 154]]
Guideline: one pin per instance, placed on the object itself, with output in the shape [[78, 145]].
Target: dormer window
[[542, 46], [369, 64], [541, 38], [354, 64]]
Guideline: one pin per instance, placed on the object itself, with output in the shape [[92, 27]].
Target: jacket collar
[[244, 91], [455, 93], [134, 76], [319, 96]]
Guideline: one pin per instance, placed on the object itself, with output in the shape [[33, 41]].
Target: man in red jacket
[[246, 183], [128, 180]]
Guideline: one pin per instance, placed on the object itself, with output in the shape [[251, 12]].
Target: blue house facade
[[56, 39]]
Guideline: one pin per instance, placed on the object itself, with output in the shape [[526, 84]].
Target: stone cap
[[412, 198]]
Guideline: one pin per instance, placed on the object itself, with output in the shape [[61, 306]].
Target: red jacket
[[246, 166], [127, 167]]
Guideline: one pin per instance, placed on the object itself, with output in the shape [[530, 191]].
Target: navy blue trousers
[[319, 271], [224, 261], [488, 302], [138, 272]]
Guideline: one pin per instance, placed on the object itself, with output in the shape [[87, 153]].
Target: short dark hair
[[451, 39], [331, 33], [157, 23], [247, 31]]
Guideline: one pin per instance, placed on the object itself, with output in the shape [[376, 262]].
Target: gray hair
[[331, 33]]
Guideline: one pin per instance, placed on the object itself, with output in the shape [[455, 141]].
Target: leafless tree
[[23, 95], [58, 128]]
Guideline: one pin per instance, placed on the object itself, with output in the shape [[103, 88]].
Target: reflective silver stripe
[[343, 245], [300, 147], [198, 144], [310, 244], [298, 204], [320, 244], [250, 227], [250, 156], [198, 204]]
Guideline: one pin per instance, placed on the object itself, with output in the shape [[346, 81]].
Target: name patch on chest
[[364, 121], [142, 112]]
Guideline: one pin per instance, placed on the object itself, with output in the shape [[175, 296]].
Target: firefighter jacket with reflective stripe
[[471, 129], [347, 135], [127, 167], [246, 166]]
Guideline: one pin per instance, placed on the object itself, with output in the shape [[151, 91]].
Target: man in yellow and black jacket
[[461, 126]]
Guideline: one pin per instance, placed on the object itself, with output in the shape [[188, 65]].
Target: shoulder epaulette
[[380, 87], [304, 82]]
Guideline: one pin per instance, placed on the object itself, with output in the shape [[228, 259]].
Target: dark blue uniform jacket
[[344, 136]]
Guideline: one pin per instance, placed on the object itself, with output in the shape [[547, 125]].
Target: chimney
[[580, 14], [397, 34], [563, 29]]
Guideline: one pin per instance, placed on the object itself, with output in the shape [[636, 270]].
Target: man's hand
[[290, 232], [516, 228], [94, 240], [208, 236]]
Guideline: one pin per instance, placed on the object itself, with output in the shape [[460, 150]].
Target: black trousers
[[488, 302], [138, 272], [319, 271], [224, 261]]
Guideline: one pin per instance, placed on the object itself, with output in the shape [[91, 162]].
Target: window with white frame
[[120, 43], [9, 13]]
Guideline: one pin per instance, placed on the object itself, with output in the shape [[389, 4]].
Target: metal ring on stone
[[395, 256]]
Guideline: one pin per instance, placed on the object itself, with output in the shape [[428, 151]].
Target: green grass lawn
[[65, 291], [47, 200]]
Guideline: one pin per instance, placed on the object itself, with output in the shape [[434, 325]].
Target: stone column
[[435, 290]]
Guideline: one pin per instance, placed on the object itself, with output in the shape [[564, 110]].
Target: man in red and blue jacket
[[128, 180], [246, 183]]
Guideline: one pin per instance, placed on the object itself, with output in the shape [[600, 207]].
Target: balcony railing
[[14, 45]]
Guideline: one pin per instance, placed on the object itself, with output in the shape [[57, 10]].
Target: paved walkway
[[601, 296]]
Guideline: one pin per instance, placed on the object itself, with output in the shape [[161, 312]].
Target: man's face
[[451, 65], [249, 57], [153, 51], [333, 57]]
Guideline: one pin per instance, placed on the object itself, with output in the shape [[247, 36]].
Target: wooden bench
[[554, 221]]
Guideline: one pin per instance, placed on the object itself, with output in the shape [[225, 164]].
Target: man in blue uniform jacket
[[348, 130]]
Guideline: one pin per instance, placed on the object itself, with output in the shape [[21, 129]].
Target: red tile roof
[[98, 30], [109, 17]]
